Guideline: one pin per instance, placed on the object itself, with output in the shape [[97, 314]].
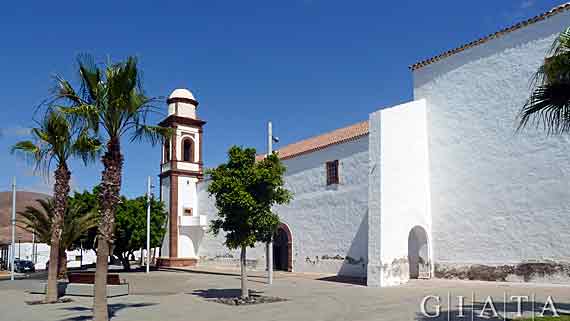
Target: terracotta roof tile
[[498, 34], [316, 143]]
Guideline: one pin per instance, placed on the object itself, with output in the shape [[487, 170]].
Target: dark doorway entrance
[[282, 249], [418, 256]]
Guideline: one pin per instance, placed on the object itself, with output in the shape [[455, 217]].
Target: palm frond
[[64, 91], [38, 220], [86, 115], [152, 134], [90, 77], [548, 106], [562, 43], [26, 147], [86, 147]]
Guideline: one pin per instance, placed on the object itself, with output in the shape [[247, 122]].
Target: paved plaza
[[185, 295]]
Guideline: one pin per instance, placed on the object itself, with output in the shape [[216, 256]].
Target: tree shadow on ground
[[222, 273], [222, 293], [236, 275], [113, 309], [344, 279], [505, 310]]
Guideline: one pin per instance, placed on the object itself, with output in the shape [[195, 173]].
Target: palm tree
[[549, 104], [76, 222], [112, 104], [57, 140]]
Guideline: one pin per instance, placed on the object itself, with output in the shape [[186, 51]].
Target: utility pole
[[269, 249], [148, 227], [13, 256]]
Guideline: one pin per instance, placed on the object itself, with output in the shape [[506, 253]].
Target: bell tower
[[180, 171]]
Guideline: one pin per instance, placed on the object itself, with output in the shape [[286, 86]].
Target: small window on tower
[[332, 172], [188, 211], [188, 150]]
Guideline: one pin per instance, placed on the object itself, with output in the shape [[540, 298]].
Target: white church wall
[[498, 198], [399, 189], [212, 250], [328, 223]]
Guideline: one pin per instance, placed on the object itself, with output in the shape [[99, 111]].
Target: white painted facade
[[437, 183], [399, 190], [328, 223], [497, 197]]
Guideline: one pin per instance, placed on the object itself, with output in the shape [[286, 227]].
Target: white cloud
[[15, 131]]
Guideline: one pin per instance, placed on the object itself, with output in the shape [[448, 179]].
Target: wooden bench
[[89, 278]]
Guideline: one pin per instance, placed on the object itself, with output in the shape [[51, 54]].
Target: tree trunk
[[108, 201], [244, 290], [60, 193], [62, 266]]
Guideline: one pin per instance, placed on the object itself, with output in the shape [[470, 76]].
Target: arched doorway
[[283, 249], [418, 254]]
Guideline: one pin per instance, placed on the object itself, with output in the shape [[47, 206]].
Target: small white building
[[438, 187], [38, 253]]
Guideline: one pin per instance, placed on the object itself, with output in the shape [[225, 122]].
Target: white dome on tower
[[181, 102], [181, 93]]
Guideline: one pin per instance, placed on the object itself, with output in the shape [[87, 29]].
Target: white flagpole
[[13, 256], [148, 228], [270, 243]]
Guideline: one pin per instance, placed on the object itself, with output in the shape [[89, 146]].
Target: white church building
[[441, 186]]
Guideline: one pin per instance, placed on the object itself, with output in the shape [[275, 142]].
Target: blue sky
[[308, 65]]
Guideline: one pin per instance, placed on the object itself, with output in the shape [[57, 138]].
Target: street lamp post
[[148, 226], [13, 256], [269, 245]]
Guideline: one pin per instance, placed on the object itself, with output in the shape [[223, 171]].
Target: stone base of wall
[[176, 262], [396, 272], [252, 264], [535, 272]]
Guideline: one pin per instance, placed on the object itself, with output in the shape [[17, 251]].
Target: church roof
[[498, 34], [338, 136]]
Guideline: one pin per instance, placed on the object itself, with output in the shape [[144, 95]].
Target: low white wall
[[24, 251]]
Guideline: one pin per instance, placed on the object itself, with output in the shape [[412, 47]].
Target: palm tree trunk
[[60, 193], [62, 266], [108, 200], [244, 290]]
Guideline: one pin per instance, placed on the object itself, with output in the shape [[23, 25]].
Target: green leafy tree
[[88, 202], [549, 104], [245, 191], [111, 102], [39, 220], [130, 227], [130, 224], [55, 141]]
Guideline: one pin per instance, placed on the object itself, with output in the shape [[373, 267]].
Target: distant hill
[[23, 199]]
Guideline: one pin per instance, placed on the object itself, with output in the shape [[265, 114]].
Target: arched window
[[167, 151], [187, 150]]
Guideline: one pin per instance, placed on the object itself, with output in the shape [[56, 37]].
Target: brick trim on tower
[[173, 216]]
